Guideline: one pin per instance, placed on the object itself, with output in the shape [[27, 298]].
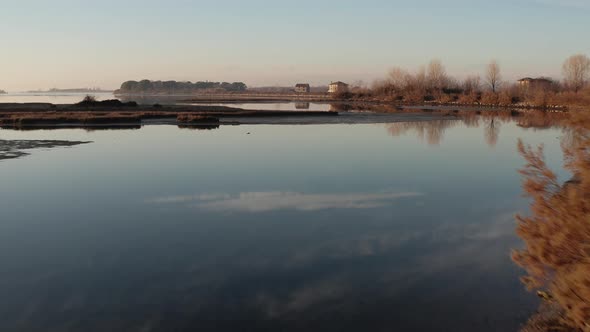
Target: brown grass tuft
[[557, 233]]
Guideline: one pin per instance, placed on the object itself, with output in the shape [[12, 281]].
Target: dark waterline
[[404, 226]]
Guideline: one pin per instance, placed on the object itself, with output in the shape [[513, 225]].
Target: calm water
[[279, 106], [388, 227], [72, 98], [53, 98]]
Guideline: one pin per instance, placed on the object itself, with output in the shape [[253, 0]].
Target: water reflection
[[431, 131], [340, 107], [199, 127], [302, 106], [492, 131], [272, 201], [286, 231]]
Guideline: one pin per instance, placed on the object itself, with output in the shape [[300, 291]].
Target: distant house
[[338, 87], [302, 88], [535, 83]]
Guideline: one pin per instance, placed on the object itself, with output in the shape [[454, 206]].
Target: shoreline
[[327, 99], [47, 116], [106, 116]]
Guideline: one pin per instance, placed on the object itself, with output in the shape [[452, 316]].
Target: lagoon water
[[52, 98], [72, 98], [368, 227], [278, 106]]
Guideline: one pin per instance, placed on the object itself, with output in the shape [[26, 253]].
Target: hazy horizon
[[65, 44]]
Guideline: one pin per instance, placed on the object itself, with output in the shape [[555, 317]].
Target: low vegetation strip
[[134, 117], [26, 119], [198, 119], [90, 101]]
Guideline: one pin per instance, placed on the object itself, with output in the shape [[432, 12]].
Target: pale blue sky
[[81, 43]]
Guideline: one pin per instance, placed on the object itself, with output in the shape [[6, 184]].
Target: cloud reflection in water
[[273, 201]]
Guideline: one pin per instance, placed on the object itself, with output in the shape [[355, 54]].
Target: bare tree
[[437, 75], [419, 80], [399, 78], [576, 70], [471, 84], [493, 76]]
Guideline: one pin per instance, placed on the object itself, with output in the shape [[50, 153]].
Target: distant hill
[[174, 87], [2, 92]]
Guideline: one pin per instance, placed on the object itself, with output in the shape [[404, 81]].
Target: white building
[[338, 87]]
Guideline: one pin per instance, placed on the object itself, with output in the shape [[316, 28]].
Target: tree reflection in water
[[557, 233], [431, 131], [492, 131]]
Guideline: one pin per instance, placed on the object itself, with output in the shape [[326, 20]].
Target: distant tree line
[[432, 83], [146, 86]]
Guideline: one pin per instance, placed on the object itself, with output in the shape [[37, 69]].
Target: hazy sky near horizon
[[79, 43]]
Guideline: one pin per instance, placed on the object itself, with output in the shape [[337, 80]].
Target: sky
[[102, 43]]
